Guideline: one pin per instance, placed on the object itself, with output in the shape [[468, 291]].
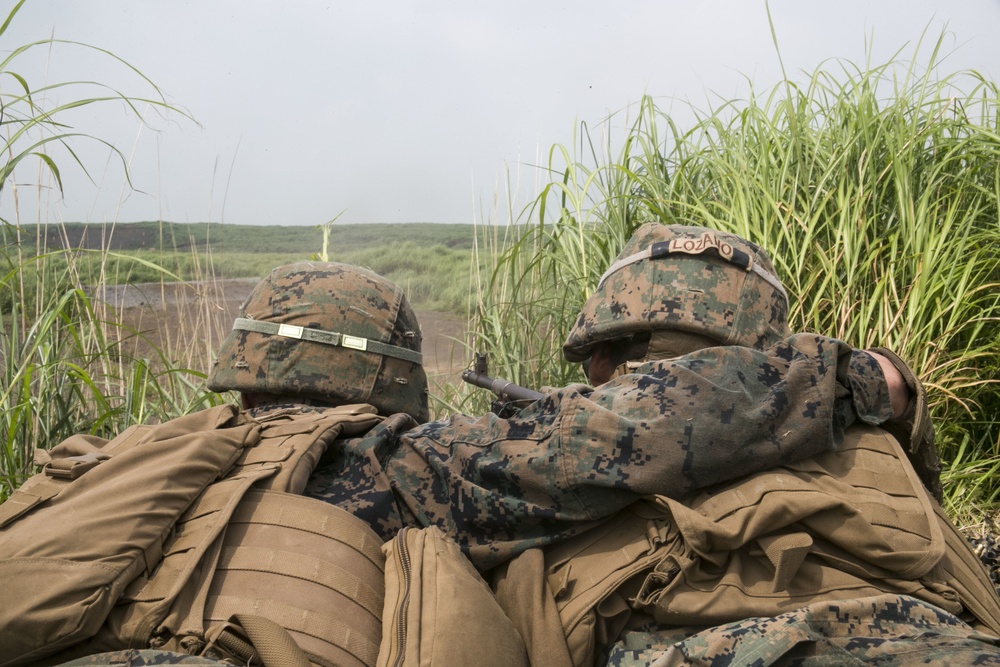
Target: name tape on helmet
[[327, 338], [706, 243]]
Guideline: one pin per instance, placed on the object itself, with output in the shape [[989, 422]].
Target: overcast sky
[[395, 111]]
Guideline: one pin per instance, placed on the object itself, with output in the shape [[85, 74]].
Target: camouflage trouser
[[136, 658], [887, 630]]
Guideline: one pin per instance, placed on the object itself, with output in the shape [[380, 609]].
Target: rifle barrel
[[500, 387]]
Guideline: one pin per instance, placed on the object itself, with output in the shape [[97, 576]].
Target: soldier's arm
[[579, 455], [911, 422], [722, 413]]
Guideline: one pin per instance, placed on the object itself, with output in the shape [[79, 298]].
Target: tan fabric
[[846, 524], [589, 576], [296, 439], [180, 500], [438, 610], [69, 546], [579, 596], [841, 525], [523, 593], [308, 566]]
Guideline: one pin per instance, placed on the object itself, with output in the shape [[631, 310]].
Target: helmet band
[[708, 243], [327, 338]]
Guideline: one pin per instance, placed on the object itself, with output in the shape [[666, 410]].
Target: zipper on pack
[[405, 580]]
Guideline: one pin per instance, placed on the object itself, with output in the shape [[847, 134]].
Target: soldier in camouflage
[[673, 293], [314, 337], [887, 630], [671, 425]]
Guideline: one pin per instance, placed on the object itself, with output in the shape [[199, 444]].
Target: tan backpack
[[81, 543], [841, 525], [75, 535]]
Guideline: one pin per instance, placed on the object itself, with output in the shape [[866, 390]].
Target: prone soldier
[[842, 557]]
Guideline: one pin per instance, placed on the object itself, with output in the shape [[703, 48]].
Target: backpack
[[852, 523], [83, 539]]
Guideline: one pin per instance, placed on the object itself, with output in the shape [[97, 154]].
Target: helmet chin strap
[[667, 344]]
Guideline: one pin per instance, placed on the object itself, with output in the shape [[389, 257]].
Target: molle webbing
[[172, 607], [333, 338], [309, 566], [165, 606], [844, 524]]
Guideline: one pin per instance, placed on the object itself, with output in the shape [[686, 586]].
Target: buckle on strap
[[72, 467]]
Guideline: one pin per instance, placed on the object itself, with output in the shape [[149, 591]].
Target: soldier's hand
[[899, 393]]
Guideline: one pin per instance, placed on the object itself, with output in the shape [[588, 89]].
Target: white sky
[[398, 111]]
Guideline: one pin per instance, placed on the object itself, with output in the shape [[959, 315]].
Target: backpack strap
[[249, 639]]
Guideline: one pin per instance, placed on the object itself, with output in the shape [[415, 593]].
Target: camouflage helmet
[[691, 279], [327, 331]]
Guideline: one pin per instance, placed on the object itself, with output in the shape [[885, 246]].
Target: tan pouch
[[438, 610], [524, 594], [74, 536], [308, 566]]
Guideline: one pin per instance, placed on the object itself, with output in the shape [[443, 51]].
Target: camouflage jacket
[[886, 630], [579, 455]]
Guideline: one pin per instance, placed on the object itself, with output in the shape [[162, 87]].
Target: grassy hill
[[432, 262], [218, 237]]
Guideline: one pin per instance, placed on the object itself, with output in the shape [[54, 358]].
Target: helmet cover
[[328, 331], [684, 278]]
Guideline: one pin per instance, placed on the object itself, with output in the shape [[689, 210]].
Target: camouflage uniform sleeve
[[351, 476], [914, 429], [723, 413], [578, 455]]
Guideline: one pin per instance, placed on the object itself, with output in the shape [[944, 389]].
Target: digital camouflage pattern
[[697, 280], [137, 658], [888, 630], [331, 298], [985, 544], [579, 455]]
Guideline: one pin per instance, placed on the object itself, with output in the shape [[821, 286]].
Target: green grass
[[877, 192], [61, 367], [227, 238]]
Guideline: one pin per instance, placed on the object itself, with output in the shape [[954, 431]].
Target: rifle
[[510, 397]]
